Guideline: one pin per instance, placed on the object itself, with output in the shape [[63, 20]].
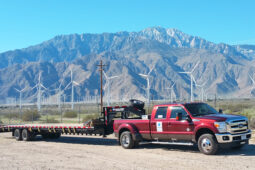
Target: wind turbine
[[73, 83], [202, 88], [253, 81], [147, 77], [171, 92], [108, 86], [39, 85], [20, 97], [191, 81]]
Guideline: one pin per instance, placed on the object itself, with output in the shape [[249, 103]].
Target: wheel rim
[[125, 140], [24, 135], [206, 144]]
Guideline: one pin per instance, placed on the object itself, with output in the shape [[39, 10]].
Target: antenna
[[108, 86], [147, 77], [191, 80]]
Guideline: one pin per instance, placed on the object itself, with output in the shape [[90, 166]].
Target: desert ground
[[94, 152]]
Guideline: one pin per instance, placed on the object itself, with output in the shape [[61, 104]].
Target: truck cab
[[185, 124]]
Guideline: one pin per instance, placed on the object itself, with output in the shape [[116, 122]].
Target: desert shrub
[[12, 116], [51, 120], [252, 123], [89, 117], [30, 115], [70, 114]]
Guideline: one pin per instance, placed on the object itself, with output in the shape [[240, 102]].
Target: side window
[[177, 109], [161, 113]]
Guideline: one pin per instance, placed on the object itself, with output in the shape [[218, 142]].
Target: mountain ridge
[[225, 68]]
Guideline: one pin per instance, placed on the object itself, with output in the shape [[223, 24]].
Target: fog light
[[225, 138]]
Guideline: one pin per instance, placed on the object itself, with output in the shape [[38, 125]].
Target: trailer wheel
[[126, 140], [207, 144], [45, 136], [17, 134], [54, 135], [26, 136]]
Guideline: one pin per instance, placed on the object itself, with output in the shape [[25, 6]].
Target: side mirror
[[179, 116], [188, 118], [220, 111]]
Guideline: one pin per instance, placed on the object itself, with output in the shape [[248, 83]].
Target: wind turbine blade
[[105, 75], [43, 87], [113, 77], [60, 84], [77, 84], [151, 70], [194, 80], [143, 75], [195, 66], [253, 81], [23, 89], [17, 90], [67, 85], [34, 87], [173, 85]]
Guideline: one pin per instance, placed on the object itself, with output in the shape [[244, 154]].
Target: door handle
[[169, 123]]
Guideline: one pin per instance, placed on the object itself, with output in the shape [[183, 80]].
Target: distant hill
[[223, 67]]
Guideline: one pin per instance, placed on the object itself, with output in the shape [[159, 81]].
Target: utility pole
[[101, 82]]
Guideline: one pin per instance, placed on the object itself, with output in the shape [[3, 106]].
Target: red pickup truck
[[184, 124]]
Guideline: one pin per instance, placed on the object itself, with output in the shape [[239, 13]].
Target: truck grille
[[237, 126]]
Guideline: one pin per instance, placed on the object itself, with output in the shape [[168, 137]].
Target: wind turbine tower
[[108, 86], [147, 77], [39, 85], [191, 81], [171, 92], [20, 98], [72, 83]]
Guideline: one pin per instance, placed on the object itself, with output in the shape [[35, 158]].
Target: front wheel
[[207, 144], [126, 140]]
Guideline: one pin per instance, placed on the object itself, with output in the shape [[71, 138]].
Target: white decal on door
[[159, 127]]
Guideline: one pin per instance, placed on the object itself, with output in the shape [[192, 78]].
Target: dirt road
[[79, 152]]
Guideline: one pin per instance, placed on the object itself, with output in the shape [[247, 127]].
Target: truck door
[[159, 123], [179, 129]]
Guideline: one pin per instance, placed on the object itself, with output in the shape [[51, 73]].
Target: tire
[[54, 135], [126, 140], [17, 135], [26, 136], [207, 144], [45, 136]]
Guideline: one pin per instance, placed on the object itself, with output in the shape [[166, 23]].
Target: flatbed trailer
[[102, 126]]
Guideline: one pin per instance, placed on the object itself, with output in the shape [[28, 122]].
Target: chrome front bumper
[[228, 138]]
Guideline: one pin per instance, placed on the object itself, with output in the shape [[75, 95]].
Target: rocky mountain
[[223, 68]]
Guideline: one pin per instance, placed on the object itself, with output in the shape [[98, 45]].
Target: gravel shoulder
[[94, 152]]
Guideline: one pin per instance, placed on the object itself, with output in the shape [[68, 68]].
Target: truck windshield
[[200, 109]]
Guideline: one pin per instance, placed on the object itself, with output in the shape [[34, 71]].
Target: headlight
[[221, 126]]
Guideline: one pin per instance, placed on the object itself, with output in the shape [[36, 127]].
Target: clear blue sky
[[29, 22]]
